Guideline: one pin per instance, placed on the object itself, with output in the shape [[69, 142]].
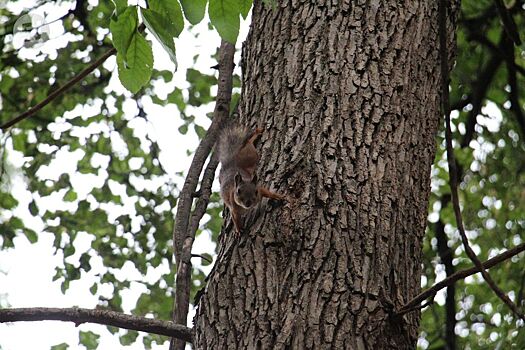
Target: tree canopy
[[109, 181]]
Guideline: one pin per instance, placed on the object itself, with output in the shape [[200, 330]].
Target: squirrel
[[239, 158]]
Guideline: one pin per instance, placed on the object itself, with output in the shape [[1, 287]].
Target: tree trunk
[[348, 96]]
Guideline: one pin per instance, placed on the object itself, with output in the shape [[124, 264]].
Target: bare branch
[[60, 90], [185, 228], [104, 317], [462, 274], [202, 257], [452, 162]]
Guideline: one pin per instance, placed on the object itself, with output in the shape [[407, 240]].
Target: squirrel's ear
[[254, 179], [238, 179]]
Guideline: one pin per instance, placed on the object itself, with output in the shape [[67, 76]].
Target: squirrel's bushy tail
[[230, 141]]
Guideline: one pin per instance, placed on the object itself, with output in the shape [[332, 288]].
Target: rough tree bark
[[348, 95]]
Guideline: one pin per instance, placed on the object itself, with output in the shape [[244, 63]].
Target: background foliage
[[110, 183]]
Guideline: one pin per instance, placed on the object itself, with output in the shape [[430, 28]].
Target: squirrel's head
[[245, 192]]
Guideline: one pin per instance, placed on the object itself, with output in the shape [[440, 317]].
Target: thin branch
[[508, 22], [480, 88], [452, 162], [202, 257], [513, 83], [205, 191], [104, 317], [46, 23], [446, 255], [185, 228], [60, 90], [416, 307], [462, 274]]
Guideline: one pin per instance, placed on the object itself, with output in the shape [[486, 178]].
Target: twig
[[184, 231], [462, 274], [452, 162], [406, 310], [60, 90], [105, 317], [45, 23], [202, 257]]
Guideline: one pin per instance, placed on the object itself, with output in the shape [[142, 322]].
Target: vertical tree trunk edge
[[348, 96]]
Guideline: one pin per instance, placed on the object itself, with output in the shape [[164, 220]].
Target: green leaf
[[19, 142], [7, 201], [224, 16], [64, 286], [200, 131], [31, 235], [120, 6], [172, 11], [245, 6], [165, 74], [158, 25], [33, 208], [68, 251], [183, 129], [208, 260], [135, 72], [85, 262], [177, 98], [129, 338], [70, 196], [93, 289], [16, 224], [123, 29], [62, 346], [88, 339], [194, 10]]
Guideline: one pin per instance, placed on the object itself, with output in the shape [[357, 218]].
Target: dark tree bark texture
[[348, 96]]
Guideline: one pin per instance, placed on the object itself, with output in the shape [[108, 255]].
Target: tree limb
[[60, 90], [104, 317], [462, 274], [452, 162], [184, 231]]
